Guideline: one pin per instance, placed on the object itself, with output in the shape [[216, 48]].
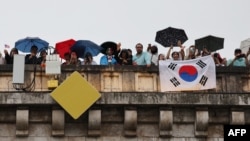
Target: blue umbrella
[[81, 47], [25, 44]]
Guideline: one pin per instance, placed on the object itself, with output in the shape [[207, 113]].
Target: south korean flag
[[195, 74]]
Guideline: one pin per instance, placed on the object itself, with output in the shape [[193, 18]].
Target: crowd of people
[[119, 56]]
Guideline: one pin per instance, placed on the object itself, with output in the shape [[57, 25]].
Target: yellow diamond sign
[[75, 95]]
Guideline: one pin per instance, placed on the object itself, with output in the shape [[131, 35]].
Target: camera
[[241, 55]]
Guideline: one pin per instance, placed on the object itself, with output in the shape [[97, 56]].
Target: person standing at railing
[[88, 59], [42, 58], [2, 60], [141, 58], [153, 51], [218, 60], [240, 59], [124, 58], [176, 55], [32, 58], [108, 58], [74, 60], [10, 57], [192, 53]]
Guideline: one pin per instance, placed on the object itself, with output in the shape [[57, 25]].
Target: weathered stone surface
[[148, 116], [112, 129], [40, 130], [184, 115], [7, 130], [76, 138], [127, 86], [237, 117], [148, 98], [148, 130], [8, 115], [94, 122], [130, 122], [40, 114], [215, 131], [219, 115], [183, 130], [201, 122], [113, 114], [76, 129], [22, 122], [58, 122], [166, 122]]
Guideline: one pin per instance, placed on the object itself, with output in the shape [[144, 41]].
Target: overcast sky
[[125, 21]]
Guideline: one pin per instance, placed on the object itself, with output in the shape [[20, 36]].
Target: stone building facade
[[131, 107]]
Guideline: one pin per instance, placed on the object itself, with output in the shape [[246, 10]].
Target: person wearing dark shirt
[[31, 58], [10, 57], [124, 58], [42, 58]]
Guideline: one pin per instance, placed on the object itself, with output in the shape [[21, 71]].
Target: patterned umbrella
[[211, 43], [170, 36]]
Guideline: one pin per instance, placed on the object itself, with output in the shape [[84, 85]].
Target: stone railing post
[[165, 122], [130, 121], [201, 122], [58, 122], [22, 121], [94, 124], [237, 117]]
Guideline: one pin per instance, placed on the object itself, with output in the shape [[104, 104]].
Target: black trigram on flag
[[172, 66], [201, 64], [175, 82], [203, 80]]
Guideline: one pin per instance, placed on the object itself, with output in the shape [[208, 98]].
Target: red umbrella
[[64, 47]]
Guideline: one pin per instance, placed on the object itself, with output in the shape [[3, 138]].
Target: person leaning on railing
[[32, 58], [218, 60], [10, 57], [141, 58], [74, 59], [240, 59]]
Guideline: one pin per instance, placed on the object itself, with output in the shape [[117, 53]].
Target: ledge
[[145, 98], [97, 68]]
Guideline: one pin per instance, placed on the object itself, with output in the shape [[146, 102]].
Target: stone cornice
[[136, 98]]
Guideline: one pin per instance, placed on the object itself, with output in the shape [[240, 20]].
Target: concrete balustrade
[[131, 106]]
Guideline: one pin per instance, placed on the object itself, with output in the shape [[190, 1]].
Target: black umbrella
[[211, 43], [170, 36]]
